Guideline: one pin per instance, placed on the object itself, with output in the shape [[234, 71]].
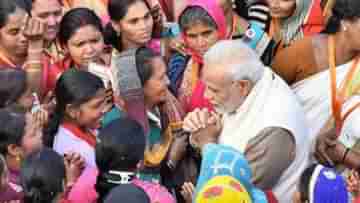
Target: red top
[[198, 99], [52, 72], [315, 22]]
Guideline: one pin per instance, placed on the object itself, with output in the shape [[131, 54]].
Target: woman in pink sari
[[203, 24]]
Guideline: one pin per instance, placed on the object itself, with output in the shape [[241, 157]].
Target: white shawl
[[314, 94], [271, 103]]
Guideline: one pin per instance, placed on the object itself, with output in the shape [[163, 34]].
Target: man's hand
[[207, 135], [325, 141], [196, 120]]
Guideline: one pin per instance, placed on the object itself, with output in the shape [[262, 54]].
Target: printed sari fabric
[[132, 92]]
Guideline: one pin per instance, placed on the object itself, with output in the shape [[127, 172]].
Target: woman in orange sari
[[309, 56], [21, 41], [324, 73], [294, 19]]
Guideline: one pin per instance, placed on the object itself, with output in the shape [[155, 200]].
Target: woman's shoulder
[[156, 192], [65, 139], [52, 71]]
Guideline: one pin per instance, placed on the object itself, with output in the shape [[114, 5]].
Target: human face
[[155, 89], [136, 26], [50, 13], [89, 114], [13, 44], [352, 33], [281, 8], [32, 140], [223, 93], [86, 45], [200, 37], [26, 100]]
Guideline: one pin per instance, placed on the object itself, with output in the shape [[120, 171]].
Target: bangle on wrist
[[171, 164], [194, 146], [345, 154], [31, 62]]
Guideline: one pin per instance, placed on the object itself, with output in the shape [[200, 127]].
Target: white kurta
[[65, 141], [314, 94], [271, 103]]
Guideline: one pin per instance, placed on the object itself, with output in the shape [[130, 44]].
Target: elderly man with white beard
[[261, 117]]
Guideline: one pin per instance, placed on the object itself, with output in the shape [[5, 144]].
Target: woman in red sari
[[81, 36]]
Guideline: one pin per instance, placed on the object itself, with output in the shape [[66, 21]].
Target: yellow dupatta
[[172, 116]]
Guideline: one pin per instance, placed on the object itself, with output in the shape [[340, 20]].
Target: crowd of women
[[94, 94]]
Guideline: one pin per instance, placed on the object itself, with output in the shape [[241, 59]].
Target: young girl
[[19, 136], [320, 184], [119, 153], [81, 104], [47, 177], [7, 192], [15, 95], [126, 138], [14, 91]]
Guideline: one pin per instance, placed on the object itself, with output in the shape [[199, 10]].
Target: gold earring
[[18, 159]]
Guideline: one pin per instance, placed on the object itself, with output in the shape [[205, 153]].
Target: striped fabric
[[259, 13]]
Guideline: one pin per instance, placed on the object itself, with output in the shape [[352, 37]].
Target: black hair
[[342, 10], [195, 14], [117, 10], [304, 183], [2, 165], [8, 7], [12, 129], [120, 147], [241, 8], [60, 1], [13, 85], [74, 87], [42, 175], [127, 193], [74, 19], [144, 67]]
